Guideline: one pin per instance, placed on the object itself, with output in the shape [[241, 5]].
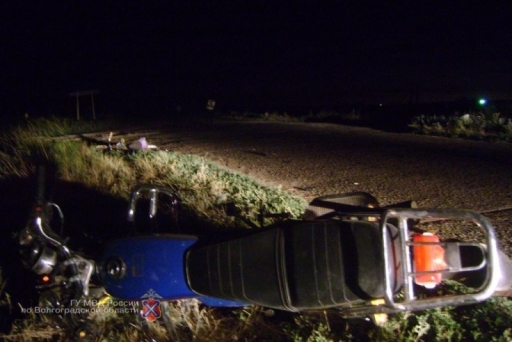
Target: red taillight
[[428, 258]]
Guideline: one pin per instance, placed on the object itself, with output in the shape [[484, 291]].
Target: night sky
[[151, 56]]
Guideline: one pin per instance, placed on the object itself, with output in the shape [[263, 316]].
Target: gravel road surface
[[318, 159]]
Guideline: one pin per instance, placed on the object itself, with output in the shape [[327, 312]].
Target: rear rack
[[410, 302]]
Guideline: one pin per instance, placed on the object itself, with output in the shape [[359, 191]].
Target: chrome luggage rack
[[404, 216], [410, 302]]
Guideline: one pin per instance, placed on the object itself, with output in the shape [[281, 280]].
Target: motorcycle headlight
[[39, 258]]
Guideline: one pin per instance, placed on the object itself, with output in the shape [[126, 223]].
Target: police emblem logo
[[151, 310]]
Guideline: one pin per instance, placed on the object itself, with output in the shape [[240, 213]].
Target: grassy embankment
[[202, 186]]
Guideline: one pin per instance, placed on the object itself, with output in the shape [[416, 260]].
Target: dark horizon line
[[158, 109]]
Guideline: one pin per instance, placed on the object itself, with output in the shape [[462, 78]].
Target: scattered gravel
[[318, 159]]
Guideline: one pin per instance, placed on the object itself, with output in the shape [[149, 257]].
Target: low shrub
[[472, 125]]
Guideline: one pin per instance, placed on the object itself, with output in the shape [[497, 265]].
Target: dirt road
[[319, 159]]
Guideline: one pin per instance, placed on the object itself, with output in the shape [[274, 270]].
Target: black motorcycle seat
[[303, 265]]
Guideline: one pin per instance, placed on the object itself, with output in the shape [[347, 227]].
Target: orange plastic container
[[428, 258]]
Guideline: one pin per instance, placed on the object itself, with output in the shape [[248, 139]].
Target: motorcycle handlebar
[[43, 230]]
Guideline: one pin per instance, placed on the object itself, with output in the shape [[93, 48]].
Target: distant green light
[[482, 102]]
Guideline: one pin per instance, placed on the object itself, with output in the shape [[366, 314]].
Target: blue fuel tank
[[134, 267]]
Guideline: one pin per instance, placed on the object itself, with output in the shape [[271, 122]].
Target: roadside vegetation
[[330, 116], [204, 187], [473, 125]]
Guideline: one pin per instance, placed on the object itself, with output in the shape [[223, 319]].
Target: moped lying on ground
[[346, 253]]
